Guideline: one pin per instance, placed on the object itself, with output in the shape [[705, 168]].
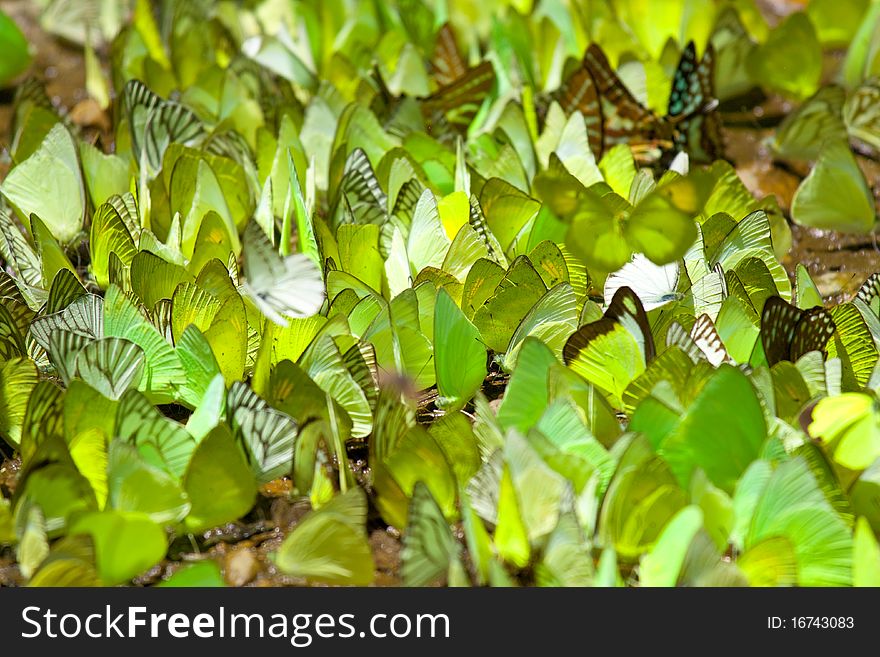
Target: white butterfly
[[280, 287], [654, 285]]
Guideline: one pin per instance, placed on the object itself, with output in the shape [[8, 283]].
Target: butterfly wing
[[654, 285], [869, 292], [627, 309], [361, 189], [686, 95], [447, 62], [814, 329], [407, 199], [861, 113], [690, 108], [624, 119], [429, 548], [155, 123], [477, 221], [167, 124], [580, 93], [778, 325], [705, 336], [138, 102], [280, 287], [580, 339], [456, 104], [801, 134], [677, 335], [787, 332], [709, 292]]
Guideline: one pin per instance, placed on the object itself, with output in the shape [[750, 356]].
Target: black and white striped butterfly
[[869, 292], [360, 199], [702, 343], [155, 123]]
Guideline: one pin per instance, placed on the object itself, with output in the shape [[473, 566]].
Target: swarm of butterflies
[[479, 279]]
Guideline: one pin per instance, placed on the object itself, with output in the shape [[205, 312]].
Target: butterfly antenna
[[483, 343]]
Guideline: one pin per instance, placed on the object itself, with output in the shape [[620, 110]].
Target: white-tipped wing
[[681, 163], [279, 287], [654, 285]]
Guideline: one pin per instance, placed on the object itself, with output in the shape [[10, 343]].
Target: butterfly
[[580, 93], [614, 350], [802, 133], [429, 548], [691, 104], [267, 434], [659, 285], [626, 311], [360, 192], [280, 287], [30, 98], [447, 62], [453, 106], [614, 116], [624, 119], [861, 113], [155, 123], [654, 285], [703, 342], [787, 332]]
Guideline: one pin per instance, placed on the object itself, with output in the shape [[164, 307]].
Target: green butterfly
[[613, 351], [430, 551]]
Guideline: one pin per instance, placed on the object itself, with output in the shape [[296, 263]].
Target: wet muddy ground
[[838, 263]]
